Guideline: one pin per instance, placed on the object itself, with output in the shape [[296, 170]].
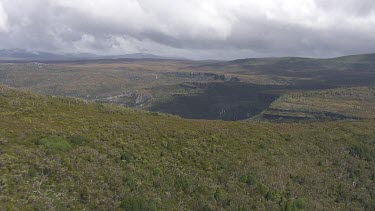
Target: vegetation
[[187, 88], [330, 104], [67, 154]]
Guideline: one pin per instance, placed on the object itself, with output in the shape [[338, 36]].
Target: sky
[[195, 29]]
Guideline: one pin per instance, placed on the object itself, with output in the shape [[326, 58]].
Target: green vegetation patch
[[329, 104], [54, 143], [362, 151]]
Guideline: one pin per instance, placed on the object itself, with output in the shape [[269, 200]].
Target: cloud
[[3, 19], [192, 28]]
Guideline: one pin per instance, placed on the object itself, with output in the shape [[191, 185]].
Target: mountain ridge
[[31, 55]]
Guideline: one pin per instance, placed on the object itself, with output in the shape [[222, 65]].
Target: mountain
[[30, 55], [299, 64], [138, 56], [313, 72], [21, 54], [68, 154]]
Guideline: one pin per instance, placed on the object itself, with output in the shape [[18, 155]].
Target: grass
[[339, 103], [54, 144], [67, 154]]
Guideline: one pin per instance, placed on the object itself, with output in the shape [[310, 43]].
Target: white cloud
[[192, 27], [3, 19]]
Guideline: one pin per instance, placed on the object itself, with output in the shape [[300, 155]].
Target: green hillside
[[329, 104], [68, 154]]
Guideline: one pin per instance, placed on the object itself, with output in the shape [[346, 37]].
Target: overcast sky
[[198, 29]]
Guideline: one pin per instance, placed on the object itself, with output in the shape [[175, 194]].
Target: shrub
[[125, 156], [78, 140], [54, 143], [136, 204], [184, 184], [218, 195], [269, 196], [249, 179], [298, 204], [157, 171], [362, 152], [295, 205]]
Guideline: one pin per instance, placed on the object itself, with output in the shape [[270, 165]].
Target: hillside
[[189, 88], [330, 104], [308, 72], [67, 154]]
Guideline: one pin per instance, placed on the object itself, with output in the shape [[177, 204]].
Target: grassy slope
[[61, 153], [355, 102]]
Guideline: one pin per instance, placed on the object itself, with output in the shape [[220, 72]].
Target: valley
[[147, 134], [233, 90], [174, 105]]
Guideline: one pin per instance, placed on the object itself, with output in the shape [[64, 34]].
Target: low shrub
[[54, 143]]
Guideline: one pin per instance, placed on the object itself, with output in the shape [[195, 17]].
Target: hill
[[63, 153], [330, 104], [23, 55], [343, 71], [234, 90]]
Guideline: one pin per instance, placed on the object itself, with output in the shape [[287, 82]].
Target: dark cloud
[[214, 29]]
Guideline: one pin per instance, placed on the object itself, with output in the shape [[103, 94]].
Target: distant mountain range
[[294, 65], [30, 55]]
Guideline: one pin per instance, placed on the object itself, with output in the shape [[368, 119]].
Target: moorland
[[148, 134]]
